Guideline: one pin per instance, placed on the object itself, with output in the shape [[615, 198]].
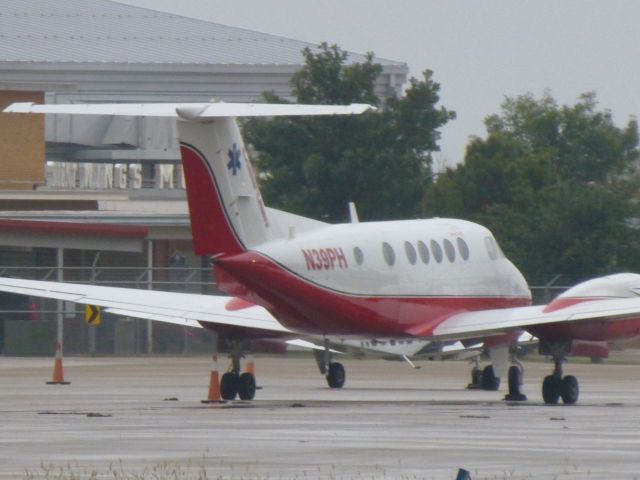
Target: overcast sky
[[480, 51]]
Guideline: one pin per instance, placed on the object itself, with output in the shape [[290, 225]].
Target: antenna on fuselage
[[353, 213]]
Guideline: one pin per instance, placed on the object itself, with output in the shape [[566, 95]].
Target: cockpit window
[[388, 254], [436, 249], [410, 250]]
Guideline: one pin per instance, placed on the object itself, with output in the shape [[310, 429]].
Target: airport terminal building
[[102, 199]]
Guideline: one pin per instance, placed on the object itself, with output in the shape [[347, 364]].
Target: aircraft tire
[[476, 376], [515, 380], [489, 380], [515, 385], [247, 386], [569, 390], [551, 390], [336, 375], [229, 384]]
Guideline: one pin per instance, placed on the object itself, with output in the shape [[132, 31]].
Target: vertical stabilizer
[[227, 212]]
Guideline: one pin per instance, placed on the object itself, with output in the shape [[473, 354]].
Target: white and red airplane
[[437, 279]]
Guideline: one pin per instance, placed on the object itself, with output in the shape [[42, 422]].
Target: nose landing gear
[[333, 371], [555, 386]]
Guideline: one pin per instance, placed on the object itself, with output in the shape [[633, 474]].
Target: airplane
[[436, 279]]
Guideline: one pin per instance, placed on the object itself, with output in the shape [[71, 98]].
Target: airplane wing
[[170, 307], [492, 322], [194, 309]]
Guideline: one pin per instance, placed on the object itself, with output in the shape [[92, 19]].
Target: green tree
[[381, 159], [556, 185]]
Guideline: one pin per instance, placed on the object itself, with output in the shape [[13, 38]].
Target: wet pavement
[[137, 416]]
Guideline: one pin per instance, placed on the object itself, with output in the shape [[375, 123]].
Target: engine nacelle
[[621, 285], [609, 288]]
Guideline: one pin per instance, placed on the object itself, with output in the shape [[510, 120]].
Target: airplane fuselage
[[378, 278]]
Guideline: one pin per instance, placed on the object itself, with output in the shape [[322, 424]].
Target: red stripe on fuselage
[[565, 302], [212, 231], [302, 305]]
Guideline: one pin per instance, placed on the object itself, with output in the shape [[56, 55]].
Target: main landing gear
[[483, 379], [333, 371], [486, 379], [234, 383], [555, 386]]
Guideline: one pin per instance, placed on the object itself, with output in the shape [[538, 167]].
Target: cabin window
[[463, 248], [491, 246], [424, 252], [358, 255], [388, 254], [436, 249], [449, 249], [410, 250]]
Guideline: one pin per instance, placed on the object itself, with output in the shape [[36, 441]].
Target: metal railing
[[156, 278], [176, 279], [115, 335], [201, 279]]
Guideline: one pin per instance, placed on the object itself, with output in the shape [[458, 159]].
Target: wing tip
[[19, 107]]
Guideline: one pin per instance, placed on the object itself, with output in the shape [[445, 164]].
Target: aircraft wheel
[[551, 389], [515, 380], [489, 380], [515, 384], [569, 390], [476, 376], [229, 384], [336, 375], [247, 386]]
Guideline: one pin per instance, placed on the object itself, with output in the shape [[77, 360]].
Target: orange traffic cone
[[250, 366], [214, 383], [58, 373]]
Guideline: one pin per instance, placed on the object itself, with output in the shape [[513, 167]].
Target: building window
[[388, 253], [358, 255], [450, 250], [436, 249], [424, 252], [410, 250], [463, 248]]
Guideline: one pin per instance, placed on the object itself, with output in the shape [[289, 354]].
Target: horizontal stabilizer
[[190, 111]]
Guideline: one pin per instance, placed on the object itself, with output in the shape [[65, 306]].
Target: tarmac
[[142, 418]]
